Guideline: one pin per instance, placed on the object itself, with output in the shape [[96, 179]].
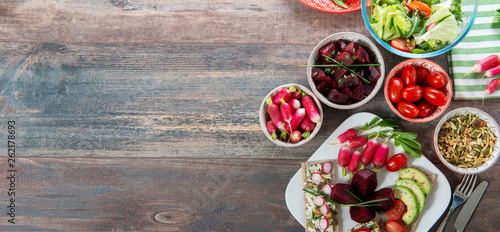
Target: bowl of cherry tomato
[[418, 90]]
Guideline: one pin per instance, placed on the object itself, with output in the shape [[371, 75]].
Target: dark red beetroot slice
[[338, 73], [341, 45], [322, 86], [372, 74], [318, 74], [340, 194], [327, 50], [348, 80], [386, 205], [365, 181], [362, 56], [337, 97], [358, 92], [361, 214], [368, 88], [345, 58], [351, 48]]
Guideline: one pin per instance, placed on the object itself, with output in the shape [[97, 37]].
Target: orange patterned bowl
[[429, 66], [330, 7]]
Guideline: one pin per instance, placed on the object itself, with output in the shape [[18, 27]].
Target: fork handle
[[445, 220]]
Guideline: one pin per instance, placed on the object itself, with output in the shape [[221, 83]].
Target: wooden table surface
[[143, 114]]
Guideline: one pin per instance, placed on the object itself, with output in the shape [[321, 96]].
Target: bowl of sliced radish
[[345, 70], [290, 115]]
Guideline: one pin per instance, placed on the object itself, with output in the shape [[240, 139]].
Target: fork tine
[[471, 186], [463, 183]]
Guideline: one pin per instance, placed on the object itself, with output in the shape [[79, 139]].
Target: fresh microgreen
[[344, 66], [337, 65]]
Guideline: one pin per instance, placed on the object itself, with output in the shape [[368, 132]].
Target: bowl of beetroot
[[345, 70], [418, 90], [290, 115]]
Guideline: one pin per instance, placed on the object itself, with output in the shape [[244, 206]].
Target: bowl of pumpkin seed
[[466, 140]]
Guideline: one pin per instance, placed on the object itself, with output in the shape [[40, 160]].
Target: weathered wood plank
[[140, 100], [169, 194], [172, 21], [73, 194]]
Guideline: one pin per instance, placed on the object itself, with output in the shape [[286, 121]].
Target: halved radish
[[323, 223], [319, 200], [326, 167], [316, 177], [327, 189], [324, 209]]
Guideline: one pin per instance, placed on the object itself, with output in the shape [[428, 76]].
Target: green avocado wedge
[[417, 191], [407, 196], [417, 176]]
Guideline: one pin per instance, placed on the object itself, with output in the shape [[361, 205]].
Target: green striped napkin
[[482, 40]]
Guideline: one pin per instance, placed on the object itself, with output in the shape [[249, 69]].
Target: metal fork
[[461, 194]]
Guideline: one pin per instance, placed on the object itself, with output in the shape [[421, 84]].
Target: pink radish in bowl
[[284, 94], [294, 104], [275, 115], [311, 110], [295, 136], [271, 128], [286, 112], [297, 118], [307, 126]]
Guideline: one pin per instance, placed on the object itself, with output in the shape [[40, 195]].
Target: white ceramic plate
[[437, 201]]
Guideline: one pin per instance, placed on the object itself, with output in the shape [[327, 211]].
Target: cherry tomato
[[398, 209], [435, 79], [412, 93], [421, 7], [434, 96], [407, 109], [425, 109], [396, 162], [409, 75], [421, 75], [402, 44], [394, 226], [362, 230], [396, 87]]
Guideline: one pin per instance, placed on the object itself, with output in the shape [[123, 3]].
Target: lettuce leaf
[[446, 28]]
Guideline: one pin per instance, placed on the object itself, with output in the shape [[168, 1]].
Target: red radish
[[327, 189], [348, 134], [485, 64], [295, 136], [286, 111], [371, 147], [271, 128], [311, 110], [316, 177], [492, 87], [275, 115], [297, 118], [323, 224], [324, 209], [431, 26], [296, 95], [380, 157], [294, 104], [319, 200], [353, 163], [307, 124], [357, 141], [284, 94], [344, 158], [326, 167], [493, 71]]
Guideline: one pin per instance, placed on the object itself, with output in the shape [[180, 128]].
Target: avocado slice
[[417, 191], [406, 195], [419, 177]]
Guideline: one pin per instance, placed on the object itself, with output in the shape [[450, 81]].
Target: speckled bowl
[[264, 117], [492, 124]]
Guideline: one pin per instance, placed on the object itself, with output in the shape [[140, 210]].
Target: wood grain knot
[[172, 217]]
